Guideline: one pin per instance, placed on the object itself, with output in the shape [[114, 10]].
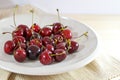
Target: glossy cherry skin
[[33, 52], [58, 38], [20, 55], [35, 35], [22, 45], [27, 33], [45, 31], [47, 40], [22, 27], [36, 41], [9, 47], [60, 55], [66, 34], [50, 47], [72, 47], [35, 28], [19, 39], [56, 28], [45, 57], [17, 32], [61, 46]]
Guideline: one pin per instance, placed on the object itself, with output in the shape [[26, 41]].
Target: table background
[[105, 67]]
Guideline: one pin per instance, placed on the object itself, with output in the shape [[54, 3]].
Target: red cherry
[[50, 47], [47, 40], [9, 47], [66, 34], [56, 28], [36, 41], [27, 32], [35, 28], [46, 31], [22, 45], [19, 39], [45, 57], [17, 32], [58, 38], [72, 47], [61, 46], [22, 27], [60, 54], [20, 55]]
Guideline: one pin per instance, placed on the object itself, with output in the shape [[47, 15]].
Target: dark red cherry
[[22, 45], [46, 58], [35, 35], [66, 34], [61, 46], [56, 28], [20, 55], [60, 54], [22, 27], [9, 47], [19, 39], [33, 52], [35, 28], [58, 39], [17, 32], [72, 46], [36, 41], [27, 32], [47, 40], [50, 47], [45, 31]]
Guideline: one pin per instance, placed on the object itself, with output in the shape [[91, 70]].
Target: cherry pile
[[48, 44]]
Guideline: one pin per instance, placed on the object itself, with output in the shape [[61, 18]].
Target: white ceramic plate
[[85, 54]]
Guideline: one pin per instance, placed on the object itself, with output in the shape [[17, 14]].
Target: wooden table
[[105, 67]]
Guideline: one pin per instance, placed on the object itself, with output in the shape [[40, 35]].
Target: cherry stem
[[58, 15], [32, 11], [56, 54], [6, 32], [12, 26], [14, 13], [84, 34]]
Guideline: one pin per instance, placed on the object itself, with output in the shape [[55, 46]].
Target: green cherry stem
[[58, 15], [32, 11], [84, 34], [14, 14]]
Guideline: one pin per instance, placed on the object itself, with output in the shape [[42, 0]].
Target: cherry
[[57, 28], [72, 46], [19, 39], [46, 31], [17, 32], [36, 41], [45, 57], [58, 38], [22, 45], [27, 32], [60, 55], [66, 34], [9, 47], [35, 35], [20, 55], [33, 52], [61, 46], [22, 27], [47, 40], [50, 47], [35, 28]]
